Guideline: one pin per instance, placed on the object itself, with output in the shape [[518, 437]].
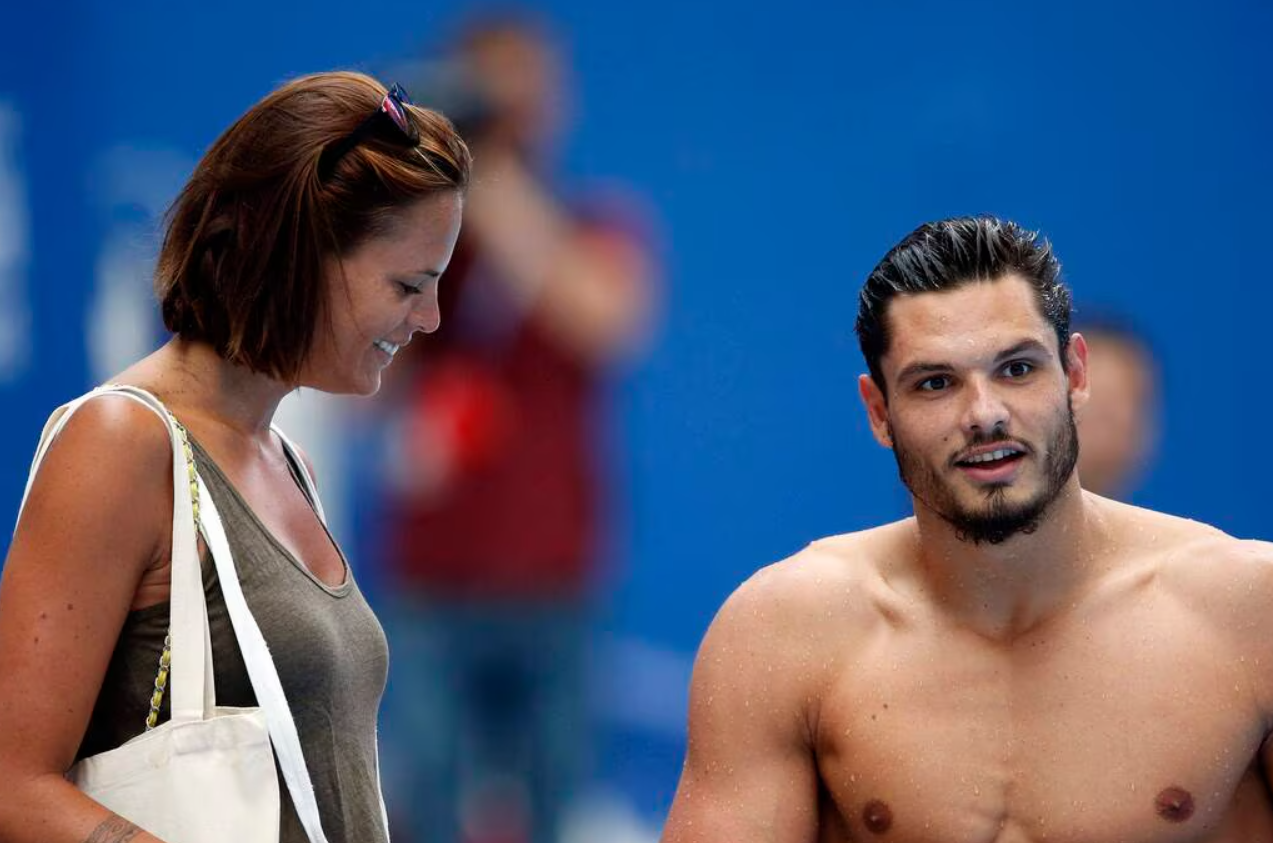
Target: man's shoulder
[[1227, 571], [835, 578], [1205, 566], [782, 629], [1226, 584], [1184, 540], [1162, 537]]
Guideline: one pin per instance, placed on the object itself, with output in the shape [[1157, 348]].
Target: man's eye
[[1018, 369], [409, 289], [934, 384]]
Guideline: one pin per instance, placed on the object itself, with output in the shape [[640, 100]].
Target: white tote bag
[[207, 775]]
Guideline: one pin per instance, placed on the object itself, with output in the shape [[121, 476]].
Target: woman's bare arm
[[98, 517]]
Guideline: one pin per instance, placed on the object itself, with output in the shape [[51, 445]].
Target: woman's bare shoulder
[[108, 469]]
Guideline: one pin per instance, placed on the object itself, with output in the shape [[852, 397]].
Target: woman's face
[[382, 293]]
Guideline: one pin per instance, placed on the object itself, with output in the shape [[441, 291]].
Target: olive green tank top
[[328, 648]]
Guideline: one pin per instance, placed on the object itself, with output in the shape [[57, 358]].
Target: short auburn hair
[[247, 239]]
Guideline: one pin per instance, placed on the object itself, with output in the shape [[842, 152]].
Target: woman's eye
[[408, 289]]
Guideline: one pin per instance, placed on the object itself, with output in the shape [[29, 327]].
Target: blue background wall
[[784, 148]]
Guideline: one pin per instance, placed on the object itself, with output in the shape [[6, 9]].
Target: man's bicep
[[749, 771], [1246, 610]]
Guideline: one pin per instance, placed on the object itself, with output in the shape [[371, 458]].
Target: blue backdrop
[[784, 147]]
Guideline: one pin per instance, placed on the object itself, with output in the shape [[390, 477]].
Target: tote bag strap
[[193, 688], [260, 666], [189, 610], [256, 655]]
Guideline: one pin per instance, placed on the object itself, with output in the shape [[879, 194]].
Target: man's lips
[[997, 462], [992, 453]]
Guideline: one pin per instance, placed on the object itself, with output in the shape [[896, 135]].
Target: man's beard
[[1000, 519]]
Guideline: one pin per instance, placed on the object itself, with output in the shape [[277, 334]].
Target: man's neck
[[1002, 591]]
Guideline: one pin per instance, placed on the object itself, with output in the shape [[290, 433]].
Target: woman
[[304, 251]]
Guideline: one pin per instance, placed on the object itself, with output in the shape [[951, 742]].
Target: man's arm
[[1262, 638], [1238, 585], [749, 773]]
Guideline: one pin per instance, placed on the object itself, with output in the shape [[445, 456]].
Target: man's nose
[[985, 410]]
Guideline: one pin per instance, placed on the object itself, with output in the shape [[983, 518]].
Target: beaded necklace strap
[[165, 659]]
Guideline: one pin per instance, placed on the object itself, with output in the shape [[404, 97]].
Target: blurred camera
[[455, 89]]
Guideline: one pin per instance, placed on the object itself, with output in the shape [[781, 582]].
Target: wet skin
[[1103, 676]]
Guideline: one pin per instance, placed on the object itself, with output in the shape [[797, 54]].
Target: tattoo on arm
[[114, 830]]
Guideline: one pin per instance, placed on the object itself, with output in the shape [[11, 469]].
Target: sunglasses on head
[[391, 118]]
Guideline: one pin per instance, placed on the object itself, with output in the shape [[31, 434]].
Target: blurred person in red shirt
[[497, 490]]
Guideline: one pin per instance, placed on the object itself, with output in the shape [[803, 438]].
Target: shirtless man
[[1022, 661]]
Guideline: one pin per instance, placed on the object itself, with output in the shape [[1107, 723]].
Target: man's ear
[[876, 409], [1076, 370]]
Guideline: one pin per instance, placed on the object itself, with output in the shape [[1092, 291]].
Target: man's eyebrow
[[1023, 347], [922, 368]]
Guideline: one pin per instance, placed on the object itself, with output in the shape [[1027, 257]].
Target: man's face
[[980, 410]]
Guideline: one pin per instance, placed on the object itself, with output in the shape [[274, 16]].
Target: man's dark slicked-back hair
[[952, 253]]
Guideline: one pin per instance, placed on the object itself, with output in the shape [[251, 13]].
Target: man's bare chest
[[1114, 732]]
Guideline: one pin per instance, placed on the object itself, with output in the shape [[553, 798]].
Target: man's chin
[[1019, 491], [998, 520]]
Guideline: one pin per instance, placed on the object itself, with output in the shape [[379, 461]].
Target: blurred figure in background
[[492, 525], [1118, 429]]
